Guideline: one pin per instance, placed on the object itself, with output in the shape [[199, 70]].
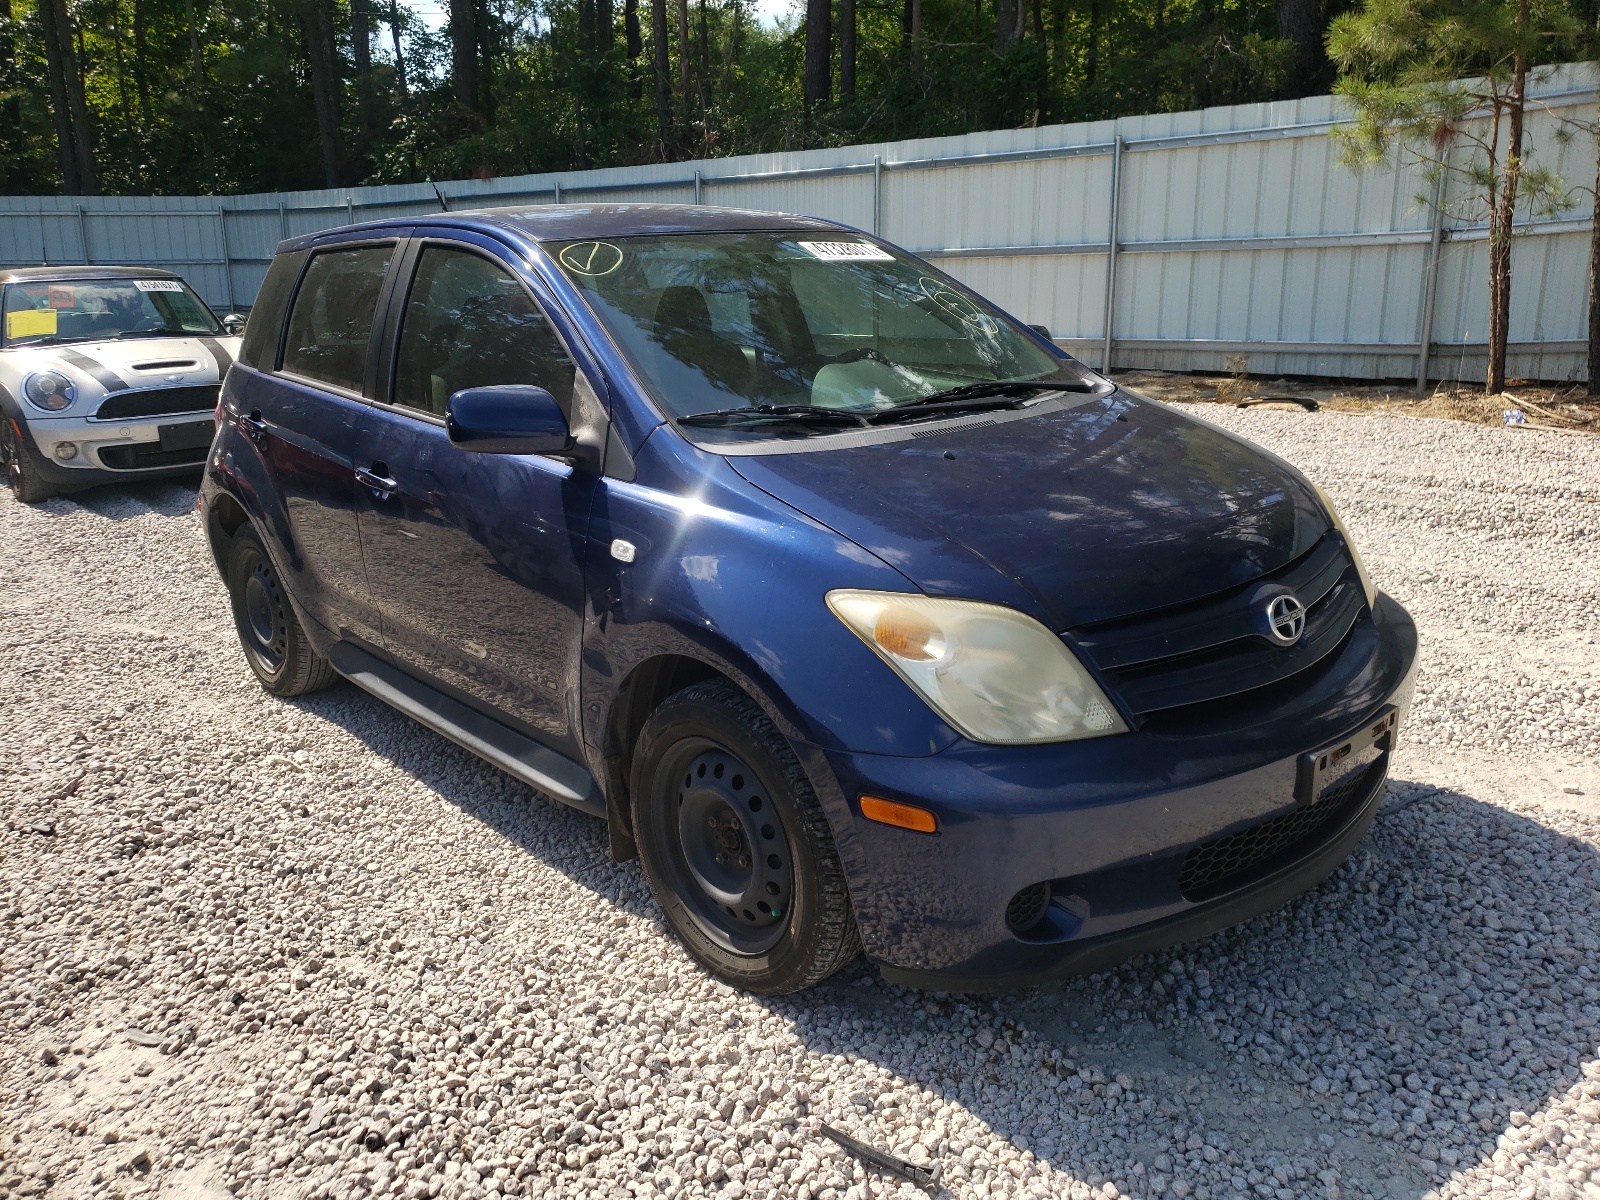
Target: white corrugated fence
[[1216, 240]]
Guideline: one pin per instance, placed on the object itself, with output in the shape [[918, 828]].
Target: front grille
[[158, 402], [1225, 863], [1215, 649], [144, 455]]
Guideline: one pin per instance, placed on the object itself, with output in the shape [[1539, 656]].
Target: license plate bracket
[[1317, 767], [190, 435]]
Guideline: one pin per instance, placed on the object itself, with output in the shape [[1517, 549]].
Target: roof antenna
[[444, 205]]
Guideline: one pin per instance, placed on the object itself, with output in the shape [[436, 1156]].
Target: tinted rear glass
[[332, 319], [261, 332]]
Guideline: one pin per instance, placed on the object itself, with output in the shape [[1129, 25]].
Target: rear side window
[[332, 319], [468, 323], [261, 331]]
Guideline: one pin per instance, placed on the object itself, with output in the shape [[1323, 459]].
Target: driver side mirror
[[233, 324], [508, 419], [1043, 331]]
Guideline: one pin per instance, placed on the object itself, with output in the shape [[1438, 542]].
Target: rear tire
[[735, 845], [274, 643], [22, 476]]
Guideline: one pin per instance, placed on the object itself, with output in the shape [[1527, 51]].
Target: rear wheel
[[274, 644], [735, 845], [22, 476]]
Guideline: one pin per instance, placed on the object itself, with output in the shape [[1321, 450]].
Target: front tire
[[22, 476], [274, 643], [735, 845]]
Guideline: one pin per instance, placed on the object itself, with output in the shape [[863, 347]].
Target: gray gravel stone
[[374, 966]]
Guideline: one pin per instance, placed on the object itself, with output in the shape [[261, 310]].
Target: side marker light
[[904, 816]]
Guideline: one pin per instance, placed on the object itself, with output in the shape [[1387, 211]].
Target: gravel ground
[[308, 949]]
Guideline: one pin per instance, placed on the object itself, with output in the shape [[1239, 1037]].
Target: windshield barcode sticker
[[158, 285], [846, 252]]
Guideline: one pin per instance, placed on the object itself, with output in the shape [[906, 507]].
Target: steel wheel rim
[[261, 615], [729, 849]]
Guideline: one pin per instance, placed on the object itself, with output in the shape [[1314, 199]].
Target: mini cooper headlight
[[995, 674], [1367, 587], [49, 390]]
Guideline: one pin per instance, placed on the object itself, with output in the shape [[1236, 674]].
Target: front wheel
[[274, 644], [735, 845], [22, 476]]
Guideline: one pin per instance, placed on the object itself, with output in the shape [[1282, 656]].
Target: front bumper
[[105, 451], [1115, 828]]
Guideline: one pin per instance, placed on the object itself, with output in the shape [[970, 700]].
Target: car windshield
[[784, 333], [87, 310]]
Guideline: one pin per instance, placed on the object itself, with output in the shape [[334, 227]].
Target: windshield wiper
[[143, 333], [798, 414], [999, 387]]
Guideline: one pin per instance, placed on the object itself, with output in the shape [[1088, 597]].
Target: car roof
[[80, 271], [576, 222]]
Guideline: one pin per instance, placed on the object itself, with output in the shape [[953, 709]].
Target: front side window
[[717, 323], [331, 323], [467, 324], [89, 310]]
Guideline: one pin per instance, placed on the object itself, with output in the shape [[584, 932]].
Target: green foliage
[[203, 96]]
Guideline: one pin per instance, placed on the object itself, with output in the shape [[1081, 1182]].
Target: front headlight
[[995, 674], [1367, 588], [50, 390]]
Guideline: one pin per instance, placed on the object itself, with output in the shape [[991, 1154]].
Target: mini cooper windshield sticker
[[62, 295], [846, 252], [158, 285], [31, 322], [591, 258]]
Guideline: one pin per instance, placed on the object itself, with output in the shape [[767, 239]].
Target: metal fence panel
[[1239, 240]]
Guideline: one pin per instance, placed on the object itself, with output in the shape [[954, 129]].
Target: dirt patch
[[1542, 407]]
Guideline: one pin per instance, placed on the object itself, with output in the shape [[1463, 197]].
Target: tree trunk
[[324, 85], [197, 70], [141, 52], [847, 49], [1091, 64], [630, 29], [1300, 22], [361, 58], [685, 50], [916, 33], [661, 53], [1594, 281], [399, 54], [705, 67], [1503, 218], [464, 52], [60, 109], [1005, 23], [75, 150], [818, 79]]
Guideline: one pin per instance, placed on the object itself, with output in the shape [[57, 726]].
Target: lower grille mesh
[[143, 455], [1228, 862]]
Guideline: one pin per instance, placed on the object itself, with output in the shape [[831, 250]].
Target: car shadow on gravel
[[125, 501], [1376, 1036]]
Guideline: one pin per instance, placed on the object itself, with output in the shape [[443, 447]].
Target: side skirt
[[537, 766]]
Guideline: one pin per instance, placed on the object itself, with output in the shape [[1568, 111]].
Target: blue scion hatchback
[[864, 616]]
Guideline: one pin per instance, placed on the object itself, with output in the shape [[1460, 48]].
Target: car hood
[[130, 362], [1108, 508]]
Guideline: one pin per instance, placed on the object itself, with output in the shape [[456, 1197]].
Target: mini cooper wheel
[[22, 476], [735, 845], [274, 644]]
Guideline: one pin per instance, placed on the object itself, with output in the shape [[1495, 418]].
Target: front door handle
[[378, 480]]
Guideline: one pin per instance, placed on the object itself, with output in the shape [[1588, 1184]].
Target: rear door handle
[[254, 428], [382, 486]]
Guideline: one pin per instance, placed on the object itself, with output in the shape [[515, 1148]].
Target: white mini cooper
[[106, 373]]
